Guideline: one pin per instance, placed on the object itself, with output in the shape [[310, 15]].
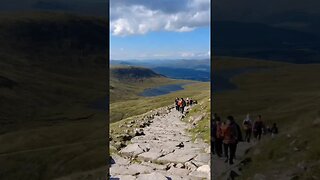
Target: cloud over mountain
[[142, 16]]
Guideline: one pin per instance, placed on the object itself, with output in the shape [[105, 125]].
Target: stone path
[[162, 150], [224, 171]]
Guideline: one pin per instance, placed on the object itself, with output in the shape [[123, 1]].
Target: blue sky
[[142, 30]]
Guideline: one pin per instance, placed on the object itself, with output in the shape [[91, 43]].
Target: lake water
[[162, 90]]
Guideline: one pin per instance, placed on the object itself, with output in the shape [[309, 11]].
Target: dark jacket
[[240, 138]]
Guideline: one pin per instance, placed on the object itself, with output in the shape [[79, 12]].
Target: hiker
[[218, 137], [191, 101], [258, 127], [187, 101], [274, 130], [182, 105], [247, 126], [176, 102], [230, 139]]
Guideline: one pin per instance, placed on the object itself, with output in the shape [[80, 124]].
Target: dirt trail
[[164, 150]]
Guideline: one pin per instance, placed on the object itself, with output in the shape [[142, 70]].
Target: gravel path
[[163, 150]]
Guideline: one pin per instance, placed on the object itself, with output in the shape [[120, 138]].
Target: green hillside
[[287, 94], [52, 68]]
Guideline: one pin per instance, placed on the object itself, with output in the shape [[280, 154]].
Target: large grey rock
[[152, 176], [117, 169], [178, 156], [119, 160], [133, 150], [203, 157], [149, 156], [199, 175], [135, 169], [178, 171], [123, 177]]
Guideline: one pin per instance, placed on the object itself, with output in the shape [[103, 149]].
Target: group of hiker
[[227, 135], [180, 103]]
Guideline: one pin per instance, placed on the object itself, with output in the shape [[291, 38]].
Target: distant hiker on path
[[176, 102], [230, 139], [182, 105], [247, 126], [191, 101], [258, 127]]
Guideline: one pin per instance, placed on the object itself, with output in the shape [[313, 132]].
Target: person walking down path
[[258, 127], [176, 102], [247, 126], [230, 139], [182, 105], [219, 137]]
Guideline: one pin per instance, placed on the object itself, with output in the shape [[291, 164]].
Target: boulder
[[153, 176]]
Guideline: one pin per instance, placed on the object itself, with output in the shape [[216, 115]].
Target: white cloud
[[143, 17]]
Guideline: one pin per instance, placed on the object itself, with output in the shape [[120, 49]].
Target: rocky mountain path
[[223, 171], [162, 150]]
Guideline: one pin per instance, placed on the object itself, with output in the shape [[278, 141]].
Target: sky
[[160, 29]]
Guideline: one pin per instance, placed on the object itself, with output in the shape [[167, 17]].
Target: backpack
[[183, 103]]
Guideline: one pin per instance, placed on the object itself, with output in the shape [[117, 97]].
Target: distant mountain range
[[176, 69]]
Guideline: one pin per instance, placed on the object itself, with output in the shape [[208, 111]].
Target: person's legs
[[213, 145], [233, 148], [182, 109], [219, 147], [249, 135], [226, 154], [259, 135], [246, 135]]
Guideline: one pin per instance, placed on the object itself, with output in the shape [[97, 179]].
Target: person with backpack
[[247, 126], [258, 127], [230, 139], [176, 102], [182, 105], [179, 104]]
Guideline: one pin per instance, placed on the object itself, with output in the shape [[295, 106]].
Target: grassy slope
[[202, 129], [47, 127], [287, 94], [135, 108]]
